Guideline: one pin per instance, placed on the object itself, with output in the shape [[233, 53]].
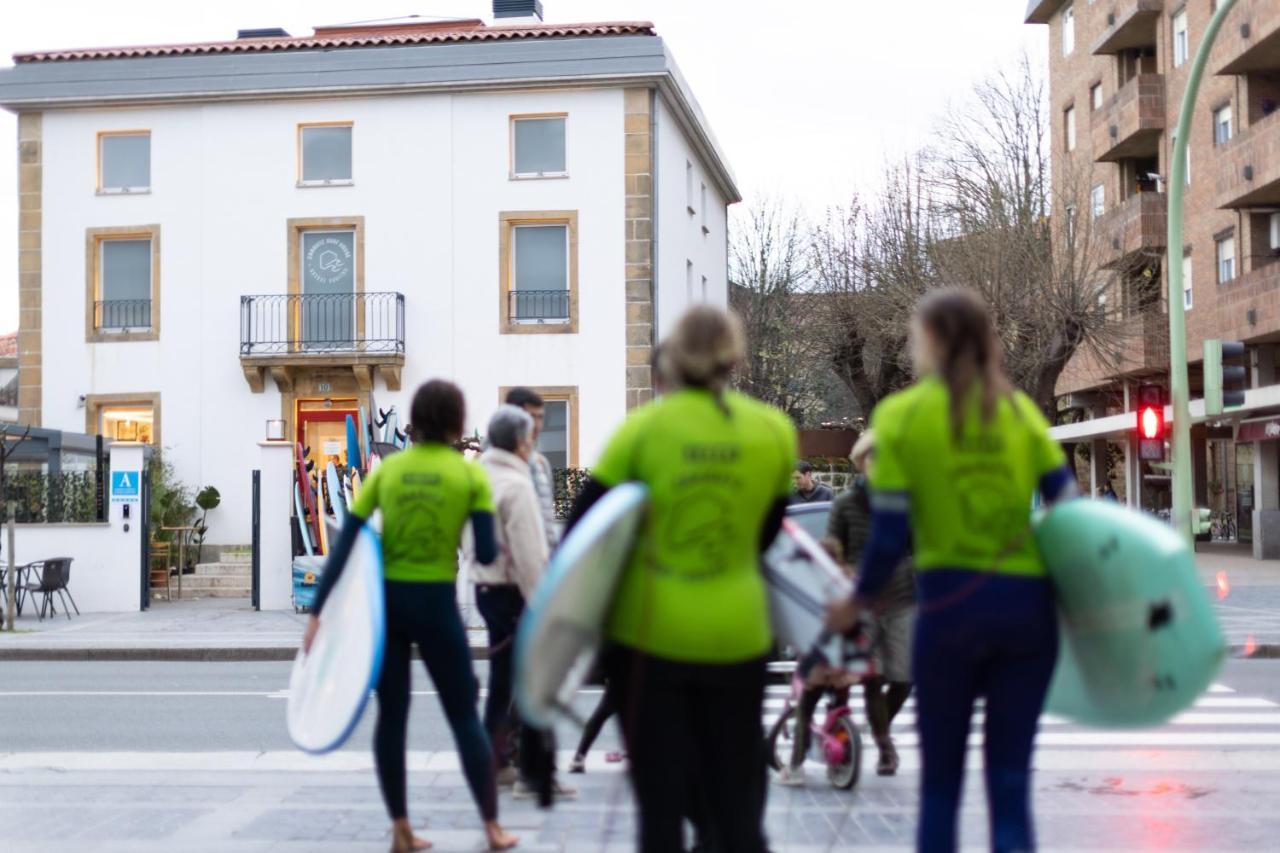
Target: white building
[[216, 235]]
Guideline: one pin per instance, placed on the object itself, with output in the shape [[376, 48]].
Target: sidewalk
[[228, 629]]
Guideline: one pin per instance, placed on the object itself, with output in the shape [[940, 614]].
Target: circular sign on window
[[329, 260]]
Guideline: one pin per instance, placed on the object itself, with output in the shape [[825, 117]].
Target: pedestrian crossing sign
[[124, 486]]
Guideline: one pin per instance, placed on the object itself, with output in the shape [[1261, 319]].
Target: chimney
[[515, 12]]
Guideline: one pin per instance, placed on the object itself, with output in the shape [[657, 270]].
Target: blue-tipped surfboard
[[1140, 638], [563, 628], [354, 460], [303, 528], [328, 687]]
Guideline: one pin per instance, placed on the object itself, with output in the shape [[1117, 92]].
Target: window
[[1275, 231], [1069, 121], [324, 154], [124, 161], [688, 282], [1095, 96], [704, 289], [558, 440], [1187, 300], [327, 306], [1222, 125], [1181, 39], [689, 187], [122, 284], [1226, 259], [1098, 200], [1071, 223], [1188, 179], [124, 417], [539, 271], [702, 208], [538, 147], [1068, 30]]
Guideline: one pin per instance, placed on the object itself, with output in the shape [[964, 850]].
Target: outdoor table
[[22, 575], [182, 532]]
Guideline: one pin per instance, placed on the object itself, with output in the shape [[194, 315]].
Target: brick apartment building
[[1118, 70]]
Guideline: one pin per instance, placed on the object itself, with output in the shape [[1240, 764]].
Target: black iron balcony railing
[[122, 315], [538, 306], [281, 323]]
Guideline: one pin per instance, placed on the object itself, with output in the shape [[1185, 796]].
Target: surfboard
[[391, 427], [303, 529], [1140, 638], [355, 461], [563, 627], [802, 580], [337, 496], [308, 495], [323, 539], [329, 687]]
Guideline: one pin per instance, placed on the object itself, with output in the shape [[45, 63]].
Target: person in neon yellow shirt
[[959, 457], [689, 630], [426, 494]]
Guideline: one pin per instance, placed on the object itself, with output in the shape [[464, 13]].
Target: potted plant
[[207, 499]]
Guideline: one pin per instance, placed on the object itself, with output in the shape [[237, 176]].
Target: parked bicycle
[[1223, 527]]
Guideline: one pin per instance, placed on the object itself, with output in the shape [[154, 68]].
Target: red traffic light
[[1151, 422]]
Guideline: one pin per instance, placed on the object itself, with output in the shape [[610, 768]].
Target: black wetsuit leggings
[[696, 749], [426, 614]]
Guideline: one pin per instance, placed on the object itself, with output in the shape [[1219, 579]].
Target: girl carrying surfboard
[[426, 494], [689, 628], [959, 456]]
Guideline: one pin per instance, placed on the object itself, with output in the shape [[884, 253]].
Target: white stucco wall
[[681, 240], [430, 178]]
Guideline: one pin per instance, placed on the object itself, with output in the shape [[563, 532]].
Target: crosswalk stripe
[[906, 718]]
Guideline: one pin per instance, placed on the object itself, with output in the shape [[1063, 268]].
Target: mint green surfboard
[[1140, 641]]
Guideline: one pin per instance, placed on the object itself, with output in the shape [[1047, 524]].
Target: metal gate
[[257, 538]]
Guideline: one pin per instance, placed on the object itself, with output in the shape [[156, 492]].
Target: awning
[[1265, 430]]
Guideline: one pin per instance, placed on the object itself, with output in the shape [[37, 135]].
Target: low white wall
[[105, 561]]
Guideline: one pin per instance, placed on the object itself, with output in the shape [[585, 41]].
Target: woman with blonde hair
[[689, 631]]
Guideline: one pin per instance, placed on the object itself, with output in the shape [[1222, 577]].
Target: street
[[194, 756]]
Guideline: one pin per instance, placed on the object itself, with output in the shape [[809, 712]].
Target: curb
[[272, 654]]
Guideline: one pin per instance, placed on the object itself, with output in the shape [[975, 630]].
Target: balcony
[[1144, 342], [538, 307], [1250, 39], [1249, 167], [122, 316], [1136, 228], [1130, 24], [1130, 123], [1042, 11], [284, 333]]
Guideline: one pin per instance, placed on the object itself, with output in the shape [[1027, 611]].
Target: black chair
[[55, 573]]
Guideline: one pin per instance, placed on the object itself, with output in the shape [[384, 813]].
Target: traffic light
[[1151, 423], [1224, 376]]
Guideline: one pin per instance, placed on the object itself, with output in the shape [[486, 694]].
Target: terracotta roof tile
[[376, 37]]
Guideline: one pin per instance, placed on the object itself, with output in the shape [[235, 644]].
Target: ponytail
[[969, 353]]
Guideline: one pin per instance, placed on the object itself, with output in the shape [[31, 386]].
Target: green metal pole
[[1178, 381]]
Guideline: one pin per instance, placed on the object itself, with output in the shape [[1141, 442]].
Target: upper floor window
[[1222, 125], [1069, 122], [1095, 96], [1181, 39], [1068, 30], [702, 209], [1226, 247], [124, 161], [1098, 200], [324, 154], [688, 187], [123, 283], [538, 147], [539, 271], [1187, 300]]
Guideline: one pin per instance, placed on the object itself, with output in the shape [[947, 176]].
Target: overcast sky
[[808, 97]]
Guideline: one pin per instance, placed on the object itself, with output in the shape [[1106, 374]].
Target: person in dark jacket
[[892, 623]]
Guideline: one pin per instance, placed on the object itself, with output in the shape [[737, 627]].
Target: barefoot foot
[[499, 838]]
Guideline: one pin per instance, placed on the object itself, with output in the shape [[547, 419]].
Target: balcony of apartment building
[[1142, 343], [1042, 11], [1250, 40], [284, 334], [1130, 25], [1133, 231], [1249, 165], [1129, 124]]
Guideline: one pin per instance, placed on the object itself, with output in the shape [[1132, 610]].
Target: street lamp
[[1179, 384]]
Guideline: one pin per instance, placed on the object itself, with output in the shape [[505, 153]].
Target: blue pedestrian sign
[[125, 486]]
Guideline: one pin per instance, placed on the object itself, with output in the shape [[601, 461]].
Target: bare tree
[[768, 268]]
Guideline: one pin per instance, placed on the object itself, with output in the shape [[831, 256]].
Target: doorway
[[322, 430]]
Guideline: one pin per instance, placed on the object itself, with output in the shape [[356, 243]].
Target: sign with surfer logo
[[328, 286]]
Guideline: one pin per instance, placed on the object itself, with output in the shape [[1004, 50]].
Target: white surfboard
[[564, 626], [802, 580], [337, 495], [329, 687]]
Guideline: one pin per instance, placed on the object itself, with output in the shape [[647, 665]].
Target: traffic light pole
[[1179, 384]]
